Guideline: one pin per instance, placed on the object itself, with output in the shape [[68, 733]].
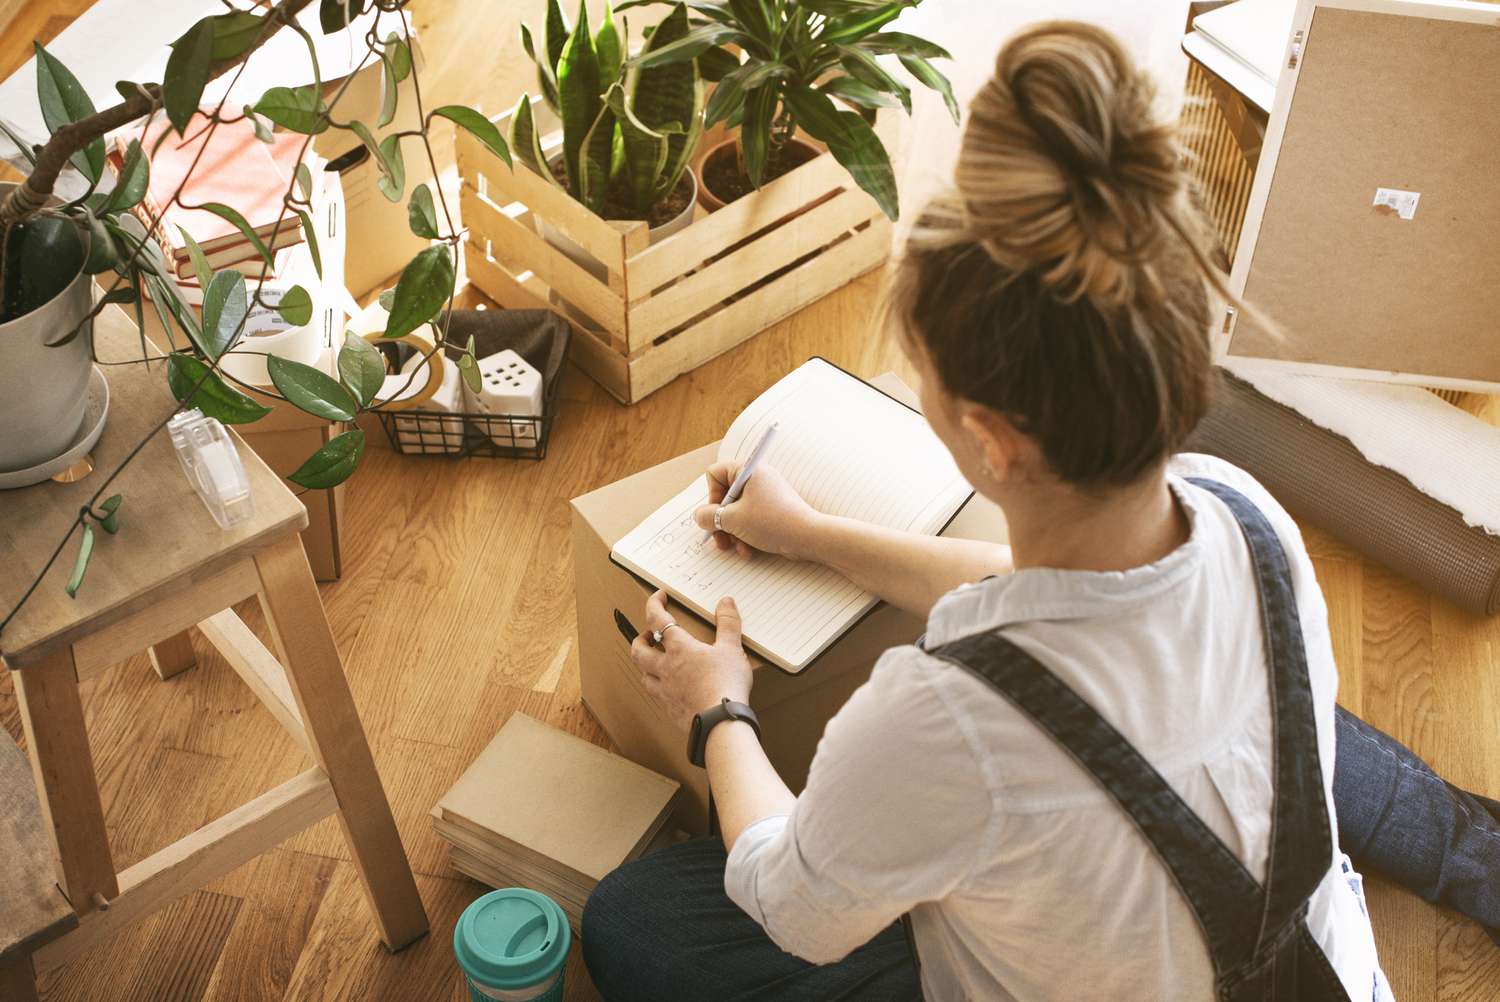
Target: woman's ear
[[996, 441]]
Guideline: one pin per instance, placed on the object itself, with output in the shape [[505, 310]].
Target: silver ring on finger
[[719, 519], [657, 635]]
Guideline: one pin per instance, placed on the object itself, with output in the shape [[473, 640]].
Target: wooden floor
[[457, 609]]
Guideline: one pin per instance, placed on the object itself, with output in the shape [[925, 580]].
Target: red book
[[232, 167]]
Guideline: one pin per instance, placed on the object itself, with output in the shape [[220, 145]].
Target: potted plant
[[52, 251], [799, 58], [627, 133]]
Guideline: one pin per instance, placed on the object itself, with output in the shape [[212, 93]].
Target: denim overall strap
[[1245, 926], [1301, 848]]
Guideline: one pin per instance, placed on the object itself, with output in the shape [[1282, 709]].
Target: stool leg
[[65, 784], [18, 980], [172, 656], [337, 740]]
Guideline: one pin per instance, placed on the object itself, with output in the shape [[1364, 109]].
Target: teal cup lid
[[512, 938]]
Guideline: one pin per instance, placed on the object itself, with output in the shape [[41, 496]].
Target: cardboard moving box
[[792, 709]]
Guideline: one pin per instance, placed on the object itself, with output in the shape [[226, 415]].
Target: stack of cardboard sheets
[[546, 810]]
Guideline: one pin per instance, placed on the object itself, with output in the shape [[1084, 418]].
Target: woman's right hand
[[769, 516]]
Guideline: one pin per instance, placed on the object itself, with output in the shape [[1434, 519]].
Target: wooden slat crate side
[[834, 268], [768, 253], [605, 240], [682, 252], [1224, 178], [519, 249]]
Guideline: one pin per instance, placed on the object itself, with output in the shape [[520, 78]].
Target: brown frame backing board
[[1379, 94]]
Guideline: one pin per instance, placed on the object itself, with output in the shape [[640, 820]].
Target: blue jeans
[[1398, 818], [661, 929]]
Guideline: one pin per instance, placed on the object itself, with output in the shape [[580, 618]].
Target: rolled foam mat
[[1321, 478]]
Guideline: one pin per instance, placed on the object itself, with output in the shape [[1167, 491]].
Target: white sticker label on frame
[[1402, 203]]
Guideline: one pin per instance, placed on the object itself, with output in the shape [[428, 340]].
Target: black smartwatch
[[703, 723]]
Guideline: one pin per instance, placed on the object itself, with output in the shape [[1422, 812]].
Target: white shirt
[[931, 793]]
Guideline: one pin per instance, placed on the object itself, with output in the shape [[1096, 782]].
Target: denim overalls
[[1257, 936]]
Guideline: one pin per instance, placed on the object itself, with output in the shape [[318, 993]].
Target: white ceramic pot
[[44, 391], [596, 267]]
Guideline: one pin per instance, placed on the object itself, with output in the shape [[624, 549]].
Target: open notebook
[[849, 450]]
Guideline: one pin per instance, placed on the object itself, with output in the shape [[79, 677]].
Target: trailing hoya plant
[[800, 57], [129, 264], [627, 136]]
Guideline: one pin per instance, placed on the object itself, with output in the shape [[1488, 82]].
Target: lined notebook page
[[849, 450]]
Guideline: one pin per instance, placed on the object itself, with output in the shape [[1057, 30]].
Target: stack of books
[[233, 167], [546, 810]]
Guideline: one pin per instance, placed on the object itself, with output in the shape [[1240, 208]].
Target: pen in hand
[[738, 487]]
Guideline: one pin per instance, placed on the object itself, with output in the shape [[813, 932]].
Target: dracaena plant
[[629, 133], [802, 60], [127, 265]]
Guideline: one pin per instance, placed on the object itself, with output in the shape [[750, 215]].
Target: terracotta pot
[[712, 202]]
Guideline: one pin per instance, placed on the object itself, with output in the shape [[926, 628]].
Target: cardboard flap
[[1373, 229]]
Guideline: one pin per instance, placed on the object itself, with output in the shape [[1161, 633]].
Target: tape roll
[[407, 391]]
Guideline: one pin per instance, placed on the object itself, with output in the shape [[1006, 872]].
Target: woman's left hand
[[686, 675]]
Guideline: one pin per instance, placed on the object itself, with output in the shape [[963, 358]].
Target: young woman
[[1106, 770]]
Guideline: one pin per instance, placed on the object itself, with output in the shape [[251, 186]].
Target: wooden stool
[[169, 568]]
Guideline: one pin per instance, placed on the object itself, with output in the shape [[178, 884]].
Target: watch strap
[[705, 722]]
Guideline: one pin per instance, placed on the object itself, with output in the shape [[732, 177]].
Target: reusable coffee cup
[[511, 945]]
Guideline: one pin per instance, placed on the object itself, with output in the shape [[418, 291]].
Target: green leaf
[[110, 523], [81, 564], [64, 101], [425, 285], [555, 32], [262, 130], [214, 397], [867, 69], [130, 187], [578, 91], [296, 306], [421, 214], [129, 89], [902, 44], [757, 21], [468, 368], [545, 75], [852, 27], [298, 109], [387, 299], [310, 233], [187, 73], [304, 181], [334, 15], [103, 254], [755, 134], [234, 33], [596, 159], [727, 98], [20, 144], [669, 100], [392, 183], [238, 221], [124, 295], [362, 368], [400, 55], [225, 304], [645, 153], [858, 92], [310, 389], [839, 8], [611, 50], [200, 260], [851, 141], [389, 87], [690, 46], [929, 76], [482, 128], [716, 63], [362, 130], [525, 141], [333, 463]]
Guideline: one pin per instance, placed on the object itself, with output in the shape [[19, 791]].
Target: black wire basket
[[538, 336]]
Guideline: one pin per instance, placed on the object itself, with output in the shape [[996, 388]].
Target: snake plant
[[629, 132]]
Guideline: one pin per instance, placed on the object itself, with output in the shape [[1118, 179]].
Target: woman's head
[[1059, 297]]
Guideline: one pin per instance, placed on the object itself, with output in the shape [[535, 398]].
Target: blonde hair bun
[[1066, 173]]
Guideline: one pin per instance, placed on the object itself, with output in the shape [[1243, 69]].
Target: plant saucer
[[94, 413]]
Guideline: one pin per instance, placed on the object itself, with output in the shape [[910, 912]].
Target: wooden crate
[[661, 310]]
